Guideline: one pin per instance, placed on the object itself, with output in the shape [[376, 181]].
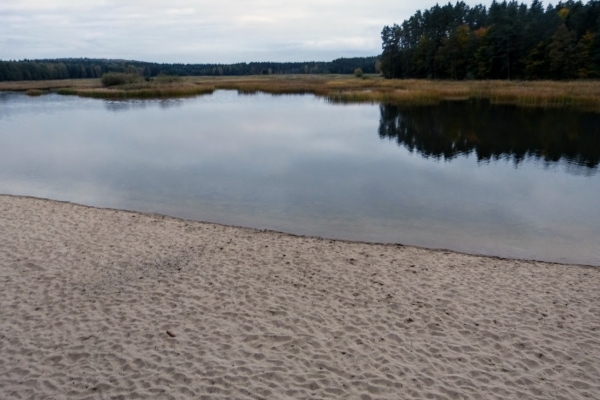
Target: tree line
[[70, 68], [508, 40]]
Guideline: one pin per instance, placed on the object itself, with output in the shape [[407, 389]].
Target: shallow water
[[468, 177]]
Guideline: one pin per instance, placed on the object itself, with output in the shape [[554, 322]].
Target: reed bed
[[35, 92], [139, 93], [24, 86], [583, 95]]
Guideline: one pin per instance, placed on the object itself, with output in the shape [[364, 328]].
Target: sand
[[103, 304]]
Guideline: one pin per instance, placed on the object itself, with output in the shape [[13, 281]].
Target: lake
[[471, 177]]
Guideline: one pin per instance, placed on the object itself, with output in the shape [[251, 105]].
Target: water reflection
[[301, 165], [127, 105], [490, 132]]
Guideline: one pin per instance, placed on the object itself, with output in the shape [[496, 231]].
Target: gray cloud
[[197, 31]]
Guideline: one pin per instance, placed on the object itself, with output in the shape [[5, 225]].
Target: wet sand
[[105, 304]]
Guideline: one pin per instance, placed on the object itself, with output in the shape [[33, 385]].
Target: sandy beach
[[107, 304]]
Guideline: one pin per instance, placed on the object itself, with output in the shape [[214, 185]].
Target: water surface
[[469, 177]]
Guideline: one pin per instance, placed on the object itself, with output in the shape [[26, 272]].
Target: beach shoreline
[[104, 303], [442, 250]]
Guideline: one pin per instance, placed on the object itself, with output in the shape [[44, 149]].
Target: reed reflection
[[127, 105], [492, 132]]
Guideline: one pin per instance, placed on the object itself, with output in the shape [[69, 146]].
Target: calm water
[[475, 178]]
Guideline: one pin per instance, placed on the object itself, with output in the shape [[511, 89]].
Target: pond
[[471, 177]]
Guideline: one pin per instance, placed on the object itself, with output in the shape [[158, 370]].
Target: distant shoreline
[[576, 95]]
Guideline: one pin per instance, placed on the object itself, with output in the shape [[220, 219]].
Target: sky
[[200, 31]]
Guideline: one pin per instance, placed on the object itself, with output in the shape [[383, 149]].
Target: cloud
[[180, 11], [196, 31], [253, 19]]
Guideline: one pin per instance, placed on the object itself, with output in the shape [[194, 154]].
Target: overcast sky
[[201, 31]]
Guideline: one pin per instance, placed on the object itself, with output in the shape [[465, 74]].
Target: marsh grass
[[581, 95], [167, 79], [24, 86], [584, 95], [120, 78], [139, 93], [35, 92]]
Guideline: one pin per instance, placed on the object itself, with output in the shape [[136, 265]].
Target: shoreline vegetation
[[580, 95], [502, 40]]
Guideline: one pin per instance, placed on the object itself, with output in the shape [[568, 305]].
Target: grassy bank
[[139, 93], [584, 95], [24, 86]]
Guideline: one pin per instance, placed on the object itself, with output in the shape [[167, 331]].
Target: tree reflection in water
[[494, 132]]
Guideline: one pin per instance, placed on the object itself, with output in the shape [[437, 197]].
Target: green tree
[[483, 55], [586, 67], [536, 62], [561, 53], [453, 53]]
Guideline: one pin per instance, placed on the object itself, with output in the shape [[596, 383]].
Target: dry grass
[[23, 86], [583, 95], [152, 92], [35, 92], [546, 94]]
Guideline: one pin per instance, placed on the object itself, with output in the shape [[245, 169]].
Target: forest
[[74, 68], [508, 40]]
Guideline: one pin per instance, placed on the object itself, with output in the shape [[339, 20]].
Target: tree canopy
[[508, 40]]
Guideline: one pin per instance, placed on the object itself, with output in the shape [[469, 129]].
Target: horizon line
[[181, 63]]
